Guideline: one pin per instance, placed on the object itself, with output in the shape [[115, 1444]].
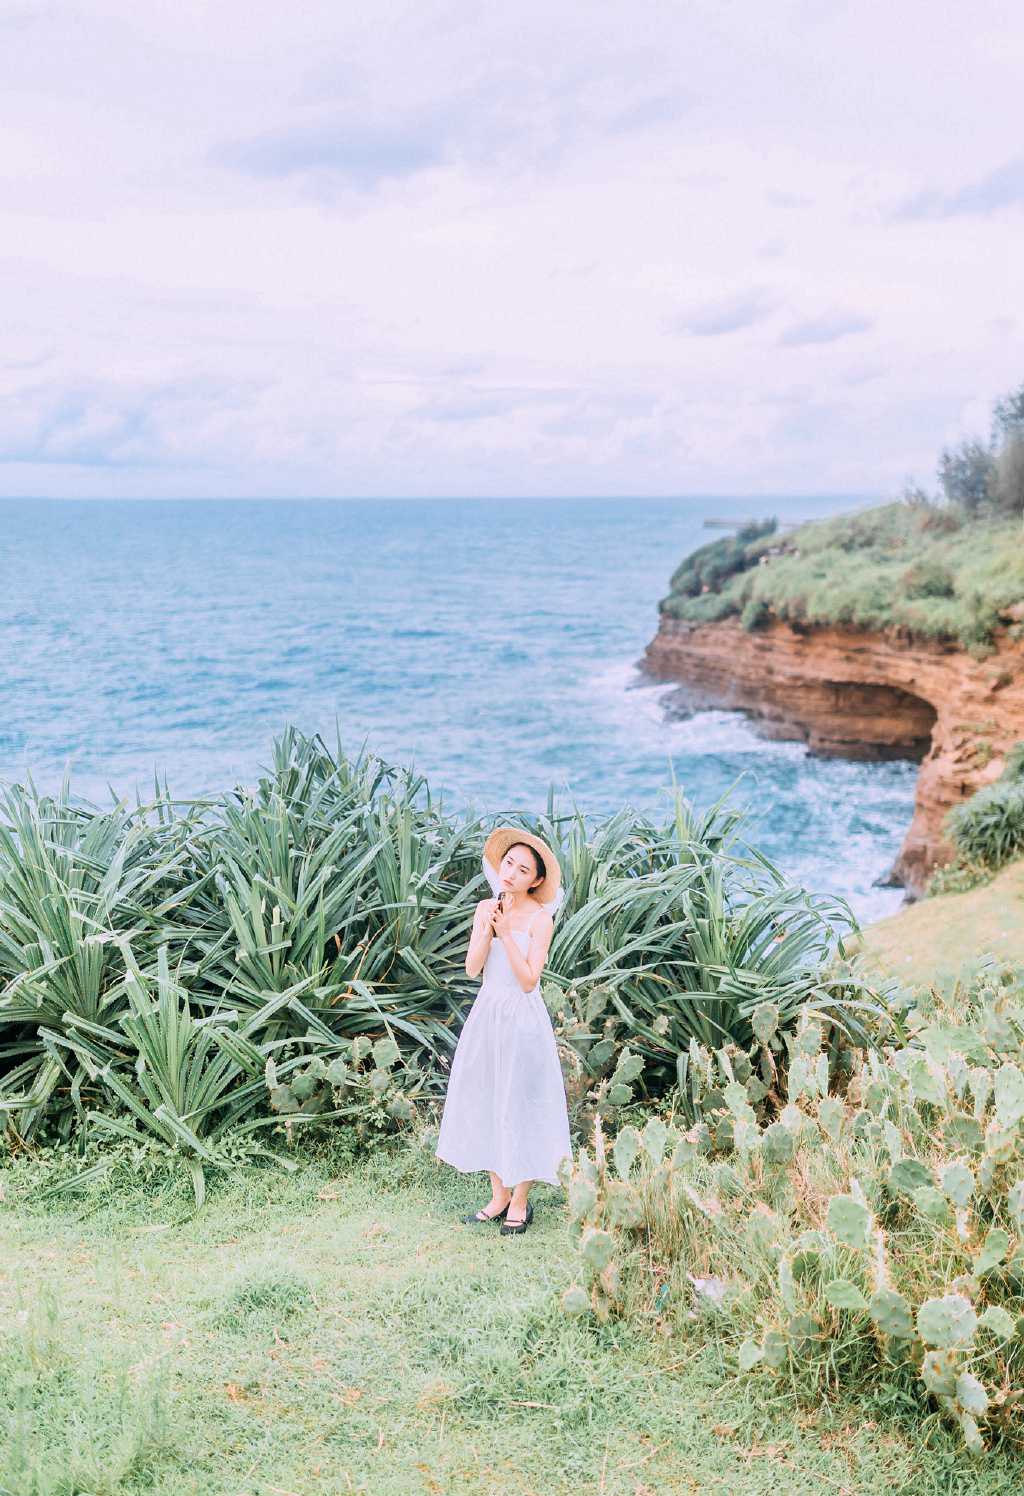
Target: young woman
[[505, 1109]]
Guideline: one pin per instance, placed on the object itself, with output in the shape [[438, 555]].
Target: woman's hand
[[480, 939], [501, 921]]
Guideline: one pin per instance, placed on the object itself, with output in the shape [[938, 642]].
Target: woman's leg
[[517, 1210], [500, 1196]]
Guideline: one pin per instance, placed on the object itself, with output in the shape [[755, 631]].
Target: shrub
[[709, 608], [756, 614], [928, 579], [982, 619], [916, 497], [942, 520], [959, 876], [1013, 769], [873, 1232], [715, 563], [989, 827]]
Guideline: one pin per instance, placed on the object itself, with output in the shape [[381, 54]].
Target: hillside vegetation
[[927, 573], [946, 566]]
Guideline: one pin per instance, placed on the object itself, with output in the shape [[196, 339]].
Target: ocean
[[493, 645]]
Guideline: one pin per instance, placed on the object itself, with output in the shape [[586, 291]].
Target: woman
[[505, 1109]]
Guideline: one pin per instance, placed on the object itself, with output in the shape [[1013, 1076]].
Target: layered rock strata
[[860, 695]]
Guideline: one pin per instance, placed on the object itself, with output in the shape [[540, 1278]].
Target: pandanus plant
[[71, 880], [678, 933], [330, 905]]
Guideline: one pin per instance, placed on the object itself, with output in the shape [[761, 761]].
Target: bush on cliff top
[[888, 568], [989, 827], [987, 831], [941, 568]]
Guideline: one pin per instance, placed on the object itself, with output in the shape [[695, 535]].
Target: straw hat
[[503, 837]]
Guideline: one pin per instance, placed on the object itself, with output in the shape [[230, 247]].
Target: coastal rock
[[858, 695]]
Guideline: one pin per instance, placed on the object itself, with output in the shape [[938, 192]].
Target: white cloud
[[828, 328], [423, 248], [995, 191], [729, 314]]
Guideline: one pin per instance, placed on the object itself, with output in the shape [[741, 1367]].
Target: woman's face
[[518, 870]]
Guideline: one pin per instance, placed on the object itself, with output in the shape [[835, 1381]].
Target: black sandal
[[516, 1228], [475, 1218]]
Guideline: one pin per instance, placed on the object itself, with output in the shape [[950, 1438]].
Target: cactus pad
[[849, 1220], [948, 1321], [891, 1313]]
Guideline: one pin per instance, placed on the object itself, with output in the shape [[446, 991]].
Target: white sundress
[[505, 1108]]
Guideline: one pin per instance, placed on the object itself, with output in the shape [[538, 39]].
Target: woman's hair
[[538, 860]]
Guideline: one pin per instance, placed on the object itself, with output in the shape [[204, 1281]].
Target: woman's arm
[[527, 969], [481, 937]]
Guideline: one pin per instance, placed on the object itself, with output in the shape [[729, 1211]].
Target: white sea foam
[[806, 813], [628, 699]]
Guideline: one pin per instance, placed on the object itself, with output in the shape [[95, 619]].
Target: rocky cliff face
[[862, 696]]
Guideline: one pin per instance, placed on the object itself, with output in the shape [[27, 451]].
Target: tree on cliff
[[983, 477], [1008, 417], [1008, 430], [1008, 479], [966, 473]]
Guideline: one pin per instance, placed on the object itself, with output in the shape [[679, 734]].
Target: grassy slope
[[938, 938], [340, 1333], [862, 569]]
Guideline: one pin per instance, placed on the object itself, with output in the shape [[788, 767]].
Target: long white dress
[[505, 1107]]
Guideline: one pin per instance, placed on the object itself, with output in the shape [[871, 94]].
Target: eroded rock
[[859, 695]]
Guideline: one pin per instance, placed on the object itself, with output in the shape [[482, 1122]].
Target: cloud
[[209, 296], [826, 329], [504, 119], [657, 109], [364, 155], [780, 199], [729, 314], [483, 404], [1002, 188]]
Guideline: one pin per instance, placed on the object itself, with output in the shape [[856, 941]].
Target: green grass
[[921, 570], [941, 938], [339, 1331]]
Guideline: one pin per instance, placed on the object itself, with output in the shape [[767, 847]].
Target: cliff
[[862, 695]]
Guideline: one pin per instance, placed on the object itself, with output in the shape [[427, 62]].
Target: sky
[[452, 248]]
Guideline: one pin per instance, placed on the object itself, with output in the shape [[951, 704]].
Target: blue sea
[[491, 644]]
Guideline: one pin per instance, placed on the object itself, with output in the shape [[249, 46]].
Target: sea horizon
[[178, 638]]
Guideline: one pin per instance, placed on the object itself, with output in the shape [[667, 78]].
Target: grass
[[941, 938], [338, 1331], [925, 572]]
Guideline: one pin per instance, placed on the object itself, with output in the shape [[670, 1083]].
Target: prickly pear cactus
[[358, 1079], [885, 1213], [611, 1192]]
